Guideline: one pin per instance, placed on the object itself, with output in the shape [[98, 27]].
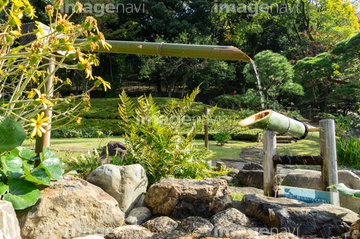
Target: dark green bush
[[222, 138], [228, 100], [78, 133]]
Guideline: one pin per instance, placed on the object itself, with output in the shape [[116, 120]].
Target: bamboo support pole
[[173, 49], [298, 159], [269, 148], [271, 120], [328, 152]]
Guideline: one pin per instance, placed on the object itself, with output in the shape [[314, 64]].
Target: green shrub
[[228, 100], [348, 151], [154, 140], [222, 138], [78, 133]]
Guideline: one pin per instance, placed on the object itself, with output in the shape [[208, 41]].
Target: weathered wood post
[[328, 152], [269, 148]]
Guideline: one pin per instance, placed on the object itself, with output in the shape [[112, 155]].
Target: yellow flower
[[49, 10], [42, 99], [78, 120], [56, 80], [16, 19], [38, 125], [79, 54], [40, 32], [79, 6], [102, 81], [69, 47], [88, 69], [31, 94], [18, 3], [106, 45], [68, 81], [31, 11]]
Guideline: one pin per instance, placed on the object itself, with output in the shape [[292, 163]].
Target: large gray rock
[[130, 232], [197, 226], [181, 198], [312, 179], [9, 224], [252, 178], [161, 225], [355, 230], [301, 178], [317, 219], [138, 216], [125, 183], [253, 166], [231, 222], [230, 218], [70, 208], [91, 237]]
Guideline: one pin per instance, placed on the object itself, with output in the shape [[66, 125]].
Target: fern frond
[[126, 108]]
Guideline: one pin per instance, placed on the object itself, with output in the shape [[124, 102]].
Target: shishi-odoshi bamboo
[[279, 123], [172, 49]]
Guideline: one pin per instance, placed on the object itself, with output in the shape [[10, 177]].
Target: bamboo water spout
[[172, 49], [273, 121]]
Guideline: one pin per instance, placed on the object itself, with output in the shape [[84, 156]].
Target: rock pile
[[172, 208]]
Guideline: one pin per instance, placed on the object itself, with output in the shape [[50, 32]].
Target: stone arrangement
[[115, 203]]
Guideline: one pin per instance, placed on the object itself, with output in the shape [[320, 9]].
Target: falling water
[[259, 84]]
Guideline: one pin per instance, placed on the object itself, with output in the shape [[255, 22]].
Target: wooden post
[[328, 152], [206, 129], [269, 147]]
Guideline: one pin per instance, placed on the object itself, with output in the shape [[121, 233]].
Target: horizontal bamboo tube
[[271, 120], [173, 49]]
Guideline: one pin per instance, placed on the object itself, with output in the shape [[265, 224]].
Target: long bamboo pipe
[[271, 120], [174, 49]]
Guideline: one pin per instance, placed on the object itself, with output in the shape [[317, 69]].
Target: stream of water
[[259, 84]]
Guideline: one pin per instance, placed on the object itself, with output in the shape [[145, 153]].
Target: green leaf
[[26, 153], [12, 135], [22, 194], [12, 165], [3, 188], [51, 164], [37, 175]]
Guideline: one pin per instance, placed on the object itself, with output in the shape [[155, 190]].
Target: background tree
[[276, 76]]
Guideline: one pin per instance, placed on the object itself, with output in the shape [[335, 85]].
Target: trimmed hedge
[[104, 116]]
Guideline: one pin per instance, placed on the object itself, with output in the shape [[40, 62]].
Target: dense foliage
[[154, 140], [20, 177]]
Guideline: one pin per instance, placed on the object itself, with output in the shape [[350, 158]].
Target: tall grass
[[348, 151]]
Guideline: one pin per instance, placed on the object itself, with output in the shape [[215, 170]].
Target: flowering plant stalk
[[25, 91]]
